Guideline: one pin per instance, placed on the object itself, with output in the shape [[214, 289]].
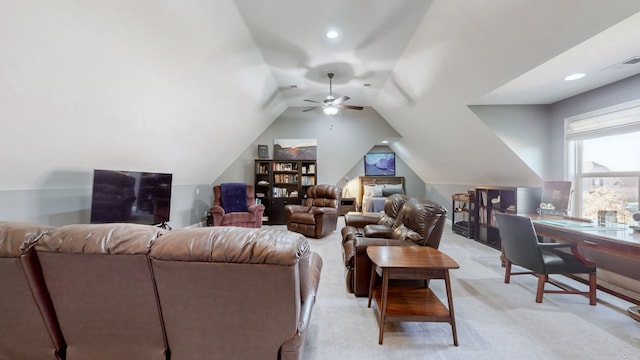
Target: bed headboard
[[379, 180]]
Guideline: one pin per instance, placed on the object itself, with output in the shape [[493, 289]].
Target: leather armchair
[[406, 222], [318, 215], [252, 218]]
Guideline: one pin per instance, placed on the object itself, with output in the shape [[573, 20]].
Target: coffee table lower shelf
[[412, 304]]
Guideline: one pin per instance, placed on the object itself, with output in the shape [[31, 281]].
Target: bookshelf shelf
[[490, 200], [279, 183]]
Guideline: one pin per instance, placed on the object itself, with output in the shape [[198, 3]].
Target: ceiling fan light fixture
[[330, 110]]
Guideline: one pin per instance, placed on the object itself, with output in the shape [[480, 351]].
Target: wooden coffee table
[[410, 303]]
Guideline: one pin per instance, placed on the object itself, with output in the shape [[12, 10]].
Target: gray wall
[[63, 197], [614, 94], [72, 205], [342, 141], [524, 128], [536, 132]]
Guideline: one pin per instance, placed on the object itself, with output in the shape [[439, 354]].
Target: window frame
[[610, 123]]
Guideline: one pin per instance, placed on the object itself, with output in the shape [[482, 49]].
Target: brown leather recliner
[[235, 293], [101, 285], [225, 215], [318, 215], [406, 222], [30, 327]]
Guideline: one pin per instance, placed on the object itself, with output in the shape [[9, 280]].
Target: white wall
[[342, 141], [127, 85]]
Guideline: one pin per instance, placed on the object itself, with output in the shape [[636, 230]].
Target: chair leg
[[542, 278], [592, 288], [507, 271]]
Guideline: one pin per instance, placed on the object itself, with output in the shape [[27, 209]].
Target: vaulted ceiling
[[421, 63], [186, 86]]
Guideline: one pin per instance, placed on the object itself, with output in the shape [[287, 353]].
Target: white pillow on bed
[[372, 190]]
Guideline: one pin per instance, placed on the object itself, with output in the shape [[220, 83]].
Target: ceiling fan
[[330, 105]]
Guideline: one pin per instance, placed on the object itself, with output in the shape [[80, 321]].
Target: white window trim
[[630, 108]]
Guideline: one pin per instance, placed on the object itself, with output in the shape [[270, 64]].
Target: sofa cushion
[[231, 245]]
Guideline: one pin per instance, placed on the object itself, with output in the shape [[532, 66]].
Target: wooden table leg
[[372, 281], [451, 314], [383, 311]]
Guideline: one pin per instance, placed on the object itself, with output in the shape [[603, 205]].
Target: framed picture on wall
[[263, 151], [376, 164], [295, 149]]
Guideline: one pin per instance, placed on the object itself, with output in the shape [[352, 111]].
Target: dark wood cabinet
[[282, 182], [490, 200]]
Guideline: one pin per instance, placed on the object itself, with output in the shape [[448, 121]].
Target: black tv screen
[[130, 197], [380, 164]]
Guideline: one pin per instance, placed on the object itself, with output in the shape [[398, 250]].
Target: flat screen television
[[376, 164], [130, 197]]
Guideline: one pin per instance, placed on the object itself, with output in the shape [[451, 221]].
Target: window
[[604, 162]]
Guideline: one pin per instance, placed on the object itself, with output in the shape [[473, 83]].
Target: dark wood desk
[[622, 242], [610, 246], [410, 303]]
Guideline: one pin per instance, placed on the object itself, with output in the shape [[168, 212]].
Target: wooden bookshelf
[[282, 182]]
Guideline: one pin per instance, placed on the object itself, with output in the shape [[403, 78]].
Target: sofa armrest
[[218, 213], [290, 209], [321, 211], [293, 348], [361, 219], [255, 208]]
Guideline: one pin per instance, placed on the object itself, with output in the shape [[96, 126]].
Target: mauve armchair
[[236, 207]]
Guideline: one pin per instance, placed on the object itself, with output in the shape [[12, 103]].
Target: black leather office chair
[[521, 247]]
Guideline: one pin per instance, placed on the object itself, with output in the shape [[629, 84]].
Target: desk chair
[[521, 247]]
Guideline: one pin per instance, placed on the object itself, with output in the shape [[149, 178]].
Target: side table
[[410, 303], [346, 205]]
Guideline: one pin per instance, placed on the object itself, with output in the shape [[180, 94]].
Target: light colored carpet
[[494, 320]]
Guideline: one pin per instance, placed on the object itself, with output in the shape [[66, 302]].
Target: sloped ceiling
[[185, 86], [453, 53]]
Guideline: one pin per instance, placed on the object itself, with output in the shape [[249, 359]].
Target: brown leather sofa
[[127, 291], [318, 215], [406, 221]]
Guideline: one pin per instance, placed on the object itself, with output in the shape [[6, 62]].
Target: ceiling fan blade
[[340, 100], [350, 107], [309, 109], [313, 101]]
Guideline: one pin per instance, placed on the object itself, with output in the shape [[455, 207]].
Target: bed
[[375, 189]]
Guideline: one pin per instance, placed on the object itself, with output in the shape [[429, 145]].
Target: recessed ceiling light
[[385, 141], [575, 76], [332, 34]]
